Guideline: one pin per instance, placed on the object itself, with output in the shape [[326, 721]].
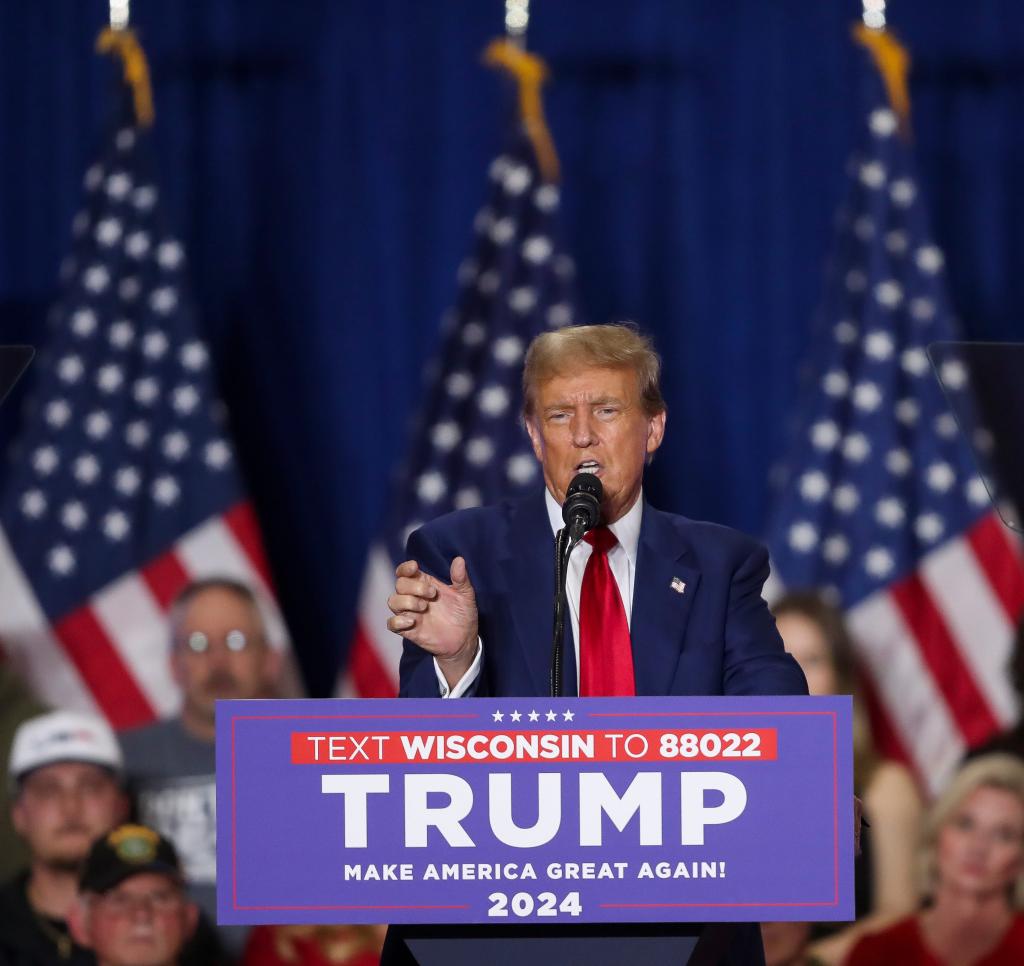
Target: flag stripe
[[211, 550], [920, 717], [369, 675], [994, 549], [98, 661], [886, 738], [976, 622], [165, 577], [132, 621], [241, 521], [952, 676], [30, 643]]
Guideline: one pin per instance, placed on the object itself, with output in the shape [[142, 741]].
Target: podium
[[672, 943], [539, 830]]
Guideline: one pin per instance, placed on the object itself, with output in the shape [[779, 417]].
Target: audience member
[[314, 946], [64, 773], [218, 649], [885, 880], [17, 704], [974, 869], [132, 909], [1012, 741]]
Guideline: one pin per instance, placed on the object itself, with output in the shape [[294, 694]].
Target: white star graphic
[[845, 498], [508, 350], [473, 333], [546, 197], [889, 512], [878, 562], [499, 716], [57, 413], [867, 397], [502, 230], [515, 716], [914, 361], [163, 299], [929, 527], [896, 241], [121, 334], [814, 485], [537, 249], [115, 525], [86, 469], [522, 299], [193, 356], [889, 293], [493, 400], [108, 232], [897, 462], [468, 497], [431, 486], [824, 434], [488, 282], [878, 345], [558, 315], [96, 278], [83, 322], [568, 716], [73, 515], [129, 288], [551, 716], [856, 447], [872, 174], [175, 445], [45, 460], [517, 178], [137, 433], [907, 411], [33, 504], [118, 185], [835, 383], [146, 390], [169, 254], [184, 399], [459, 385], [154, 345], [97, 424], [836, 548], [446, 435], [803, 536], [902, 192], [61, 560], [144, 197], [127, 480], [533, 716], [70, 369], [929, 259], [217, 454], [940, 476], [165, 490], [109, 378], [522, 468], [845, 332], [479, 450], [882, 122]]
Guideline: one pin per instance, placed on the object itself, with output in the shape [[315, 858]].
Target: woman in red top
[[974, 855]]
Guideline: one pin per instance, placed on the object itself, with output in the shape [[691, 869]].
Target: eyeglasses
[[125, 904], [199, 642]]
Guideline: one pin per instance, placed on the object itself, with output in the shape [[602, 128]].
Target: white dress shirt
[[621, 560]]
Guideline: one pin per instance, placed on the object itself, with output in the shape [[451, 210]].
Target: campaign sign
[[534, 810]]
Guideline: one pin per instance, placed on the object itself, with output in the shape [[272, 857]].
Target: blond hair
[[997, 770], [613, 346]]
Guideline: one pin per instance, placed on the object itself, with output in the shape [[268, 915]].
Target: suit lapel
[[528, 562], [660, 611]]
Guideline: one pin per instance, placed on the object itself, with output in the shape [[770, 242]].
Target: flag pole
[[529, 73], [890, 56], [119, 39], [517, 19]]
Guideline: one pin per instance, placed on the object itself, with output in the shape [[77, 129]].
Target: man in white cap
[[65, 781]]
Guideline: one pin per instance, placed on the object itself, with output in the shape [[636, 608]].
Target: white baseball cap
[[63, 736]]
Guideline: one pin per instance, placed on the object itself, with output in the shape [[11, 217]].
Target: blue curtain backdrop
[[323, 160]]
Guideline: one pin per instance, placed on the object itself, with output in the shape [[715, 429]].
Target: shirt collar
[[626, 528]]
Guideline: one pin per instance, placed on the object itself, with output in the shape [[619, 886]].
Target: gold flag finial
[[893, 63], [529, 72], [125, 45]]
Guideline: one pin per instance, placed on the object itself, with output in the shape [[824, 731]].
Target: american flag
[[884, 506], [469, 447], [122, 485]]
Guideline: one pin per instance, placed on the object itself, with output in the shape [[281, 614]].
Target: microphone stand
[[565, 542]]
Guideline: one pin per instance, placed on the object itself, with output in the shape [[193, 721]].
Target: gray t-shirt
[[172, 775]]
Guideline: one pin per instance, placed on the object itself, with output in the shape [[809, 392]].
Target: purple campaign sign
[[535, 810]]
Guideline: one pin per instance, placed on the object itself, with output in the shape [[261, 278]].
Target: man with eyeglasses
[[218, 649], [133, 910], [64, 772]]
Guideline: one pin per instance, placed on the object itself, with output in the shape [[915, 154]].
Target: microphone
[[581, 510]]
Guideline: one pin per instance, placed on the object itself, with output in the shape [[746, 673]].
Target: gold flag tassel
[[529, 72], [893, 63], [124, 44]]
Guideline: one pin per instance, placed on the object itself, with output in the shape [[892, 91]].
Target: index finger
[[407, 568]]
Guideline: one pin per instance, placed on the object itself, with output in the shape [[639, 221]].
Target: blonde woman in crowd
[[885, 880], [973, 865]]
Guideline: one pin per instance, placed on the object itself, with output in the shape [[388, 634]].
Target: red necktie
[[606, 654]]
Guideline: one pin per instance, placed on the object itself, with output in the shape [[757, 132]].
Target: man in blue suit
[[474, 601]]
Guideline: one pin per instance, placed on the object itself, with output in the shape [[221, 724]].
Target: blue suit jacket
[[717, 637]]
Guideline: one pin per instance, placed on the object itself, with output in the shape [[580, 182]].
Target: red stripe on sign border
[[370, 676], [953, 677], [241, 521], [1000, 563], [112, 685], [165, 577]]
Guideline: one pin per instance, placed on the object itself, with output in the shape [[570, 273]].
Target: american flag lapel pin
[[678, 585]]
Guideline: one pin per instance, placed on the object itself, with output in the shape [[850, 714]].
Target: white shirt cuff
[[467, 679]]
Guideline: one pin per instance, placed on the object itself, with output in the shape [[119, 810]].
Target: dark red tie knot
[[601, 539]]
